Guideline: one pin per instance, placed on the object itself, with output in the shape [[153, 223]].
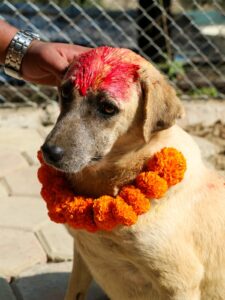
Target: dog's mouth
[[66, 167], [96, 158]]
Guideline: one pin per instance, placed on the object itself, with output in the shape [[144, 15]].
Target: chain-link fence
[[185, 39]]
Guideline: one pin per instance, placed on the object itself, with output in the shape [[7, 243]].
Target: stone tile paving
[[35, 254], [57, 243], [28, 240], [19, 250]]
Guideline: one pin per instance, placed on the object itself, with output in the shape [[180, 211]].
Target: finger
[[47, 80]]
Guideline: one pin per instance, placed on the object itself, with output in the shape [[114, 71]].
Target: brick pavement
[[35, 253]]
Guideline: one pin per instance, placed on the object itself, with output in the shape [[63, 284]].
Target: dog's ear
[[161, 105]]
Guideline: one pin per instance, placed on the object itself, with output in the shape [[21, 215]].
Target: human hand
[[45, 63]]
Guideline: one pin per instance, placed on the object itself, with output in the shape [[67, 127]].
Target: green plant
[[176, 69], [205, 91]]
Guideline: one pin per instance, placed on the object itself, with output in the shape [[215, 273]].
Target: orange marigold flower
[[123, 213], [103, 215], [151, 184], [134, 197], [78, 213], [169, 164]]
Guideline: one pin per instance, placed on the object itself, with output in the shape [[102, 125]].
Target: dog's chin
[[73, 168]]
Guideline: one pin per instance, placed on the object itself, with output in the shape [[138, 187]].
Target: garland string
[[163, 170]]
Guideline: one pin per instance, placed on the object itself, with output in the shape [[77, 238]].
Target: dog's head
[[108, 95]]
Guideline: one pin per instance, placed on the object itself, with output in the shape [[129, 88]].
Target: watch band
[[16, 51]]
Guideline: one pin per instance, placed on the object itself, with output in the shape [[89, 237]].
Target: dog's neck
[[110, 175], [122, 167]]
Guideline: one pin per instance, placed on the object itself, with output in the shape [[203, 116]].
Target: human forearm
[[7, 32], [42, 62]]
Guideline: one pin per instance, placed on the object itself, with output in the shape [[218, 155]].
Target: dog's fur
[[176, 250]]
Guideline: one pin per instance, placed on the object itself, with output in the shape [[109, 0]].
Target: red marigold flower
[[40, 157], [45, 174], [47, 195], [56, 212]]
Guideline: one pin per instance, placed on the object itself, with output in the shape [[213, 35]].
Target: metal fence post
[[152, 10]]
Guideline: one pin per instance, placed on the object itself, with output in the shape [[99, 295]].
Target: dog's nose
[[52, 152]]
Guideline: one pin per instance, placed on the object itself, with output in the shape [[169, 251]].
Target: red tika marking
[[104, 68], [211, 186]]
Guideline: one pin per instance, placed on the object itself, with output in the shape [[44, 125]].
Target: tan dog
[[117, 110]]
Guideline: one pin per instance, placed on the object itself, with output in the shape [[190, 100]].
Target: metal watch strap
[[16, 51]]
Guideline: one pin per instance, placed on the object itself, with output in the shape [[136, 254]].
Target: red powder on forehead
[[104, 68]]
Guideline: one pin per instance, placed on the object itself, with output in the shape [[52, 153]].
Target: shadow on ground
[[50, 286]]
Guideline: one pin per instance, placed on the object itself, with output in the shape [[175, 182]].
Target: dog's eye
[[66, 90], [64, 93], [107, 108]]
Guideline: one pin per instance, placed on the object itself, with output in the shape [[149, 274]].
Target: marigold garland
[[164, 169], [169, 164]]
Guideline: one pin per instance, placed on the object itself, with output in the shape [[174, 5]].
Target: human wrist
[[7, 32], [32, 53], [16, 52]]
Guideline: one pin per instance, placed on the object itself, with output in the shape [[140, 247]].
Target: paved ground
[[35, 254]]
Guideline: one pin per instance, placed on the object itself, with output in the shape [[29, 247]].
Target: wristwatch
[[16, 51]]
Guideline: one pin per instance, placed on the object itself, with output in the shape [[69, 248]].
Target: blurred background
[[184, 38]]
